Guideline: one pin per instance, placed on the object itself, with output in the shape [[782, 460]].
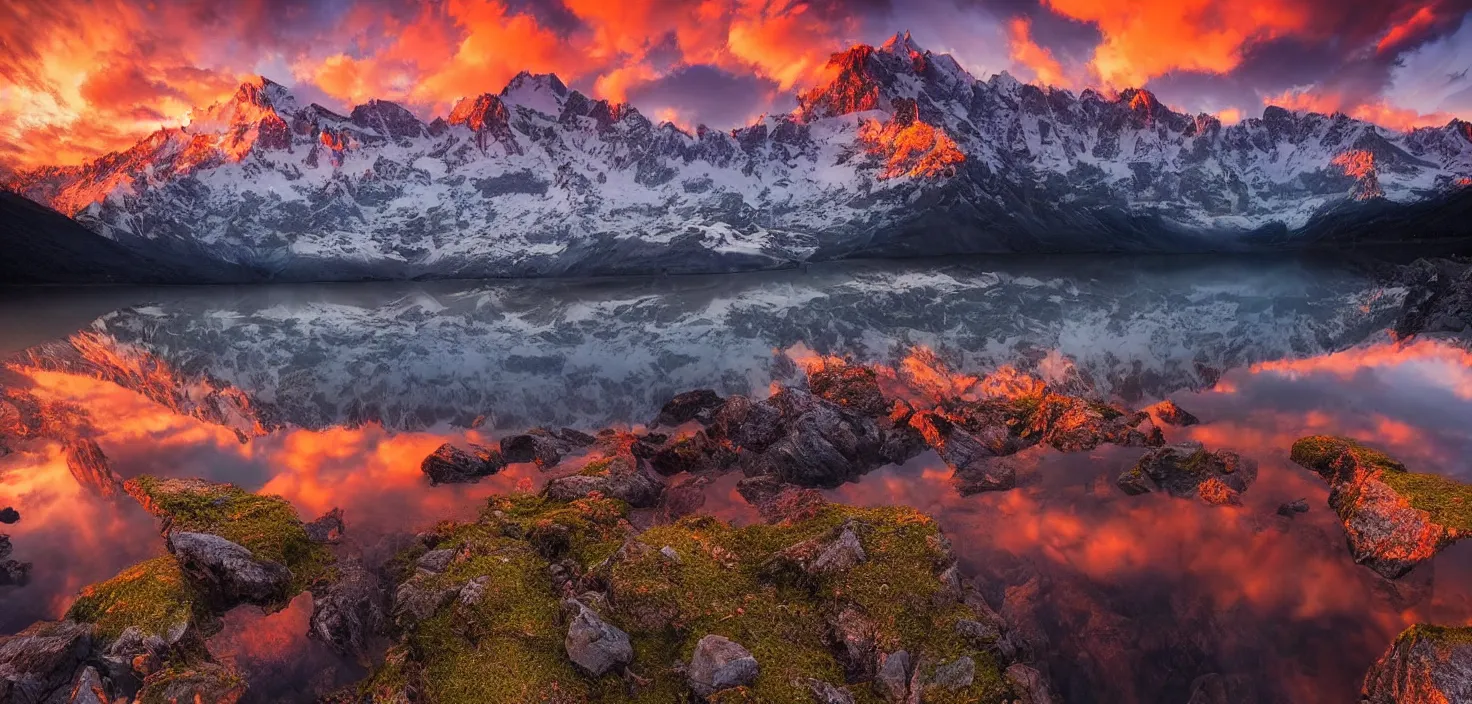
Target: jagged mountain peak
[[388, 119], [478, 112], [542, 92], [256, 99], [902, 44]]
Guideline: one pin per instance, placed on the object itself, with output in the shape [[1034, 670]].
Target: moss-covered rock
[[266, 525], [1426, 664], [1189, 470], [501, 639], [1394, 518], [195, 682], [154, 596]]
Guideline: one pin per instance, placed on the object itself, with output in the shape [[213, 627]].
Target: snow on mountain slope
[[901, 151]]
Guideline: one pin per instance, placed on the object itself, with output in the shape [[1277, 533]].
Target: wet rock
[[954, 675], [900, 441], [852, 387], [698, 405], [746, 424], [976, 466], [327, 529], [449, 464], [90, 468], [987, 474], [1168, 412], [622, 476], [693, 453], [684, 498], [1074, 424], [348, 612], [1187, 470], [1155, 437], [1292, 508], [195, 682], [134, 656], [229, 574], [593, 645], [720, 664], [778, 501], [1029, 685], [9, 515], [824, 693], [1425, 665], [543, 446], [893, 678], [1394, 519], [41, 661]]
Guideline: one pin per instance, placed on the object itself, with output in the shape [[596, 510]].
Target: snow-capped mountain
[[901, 152]]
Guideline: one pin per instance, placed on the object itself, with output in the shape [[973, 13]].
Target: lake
[[331, 395]]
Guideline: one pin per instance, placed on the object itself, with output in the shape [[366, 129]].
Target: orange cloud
[[1421, 20], [1025, 51], [1143, 39]]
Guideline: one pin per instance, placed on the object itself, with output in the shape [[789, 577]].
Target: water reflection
[[333, 404]]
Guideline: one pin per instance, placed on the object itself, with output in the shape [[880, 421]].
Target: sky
[[81, 78]]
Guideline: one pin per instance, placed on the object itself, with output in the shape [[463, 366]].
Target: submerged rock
[[693, 453], [1393, 518], [543, 446], [852, 387], [720, 664], [350, 610], [1425, 665], [449, 464], [1293, 508], [1187, 470], [620, 475]]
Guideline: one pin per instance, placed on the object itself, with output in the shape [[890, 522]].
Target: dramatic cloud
[[81, 78]]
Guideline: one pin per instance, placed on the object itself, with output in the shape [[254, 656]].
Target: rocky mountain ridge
[[900, 152]]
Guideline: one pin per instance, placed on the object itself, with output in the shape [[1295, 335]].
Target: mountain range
[[900, 152]]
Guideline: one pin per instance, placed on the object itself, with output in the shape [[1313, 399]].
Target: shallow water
[[331, 396]]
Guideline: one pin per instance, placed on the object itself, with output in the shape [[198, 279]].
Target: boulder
[[592, 644], [449, 464], [89, 688], [622, 476], [228, 573], [987, 474], [700, 405], [350, 610], [852, 638], [1293, 508], [133, 656], [777, 501], [684, 498], [823, 446], [1394, 519], [747, 425], [1075, 424], [1171, 414], [543, 446], [720, 664], [1188, 470], [693, 453], [833, 552], [90, 468], [1425, 665], [417, 599], [194, 682], [954, 675], [42, 660], [852, 387]]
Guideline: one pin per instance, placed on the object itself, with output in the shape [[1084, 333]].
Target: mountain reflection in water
[[331, 397]]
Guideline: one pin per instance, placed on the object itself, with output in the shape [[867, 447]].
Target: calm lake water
[[331, 395]]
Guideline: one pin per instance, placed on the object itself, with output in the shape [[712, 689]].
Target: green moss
[[152, 595], [597, 468], [205, 681], [1318, 452], [509, 647], [1440, 635], [1449, 502], [266, 525]]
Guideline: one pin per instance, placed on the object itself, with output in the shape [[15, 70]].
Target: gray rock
[[670, 554], [700, 405], [350, 611], [327, 529], [1293, 507], [594, 645], [449, 464], [89, 688], [200, 682], [719, 664], [841, 555], [1425, 664], [436, 561], [42, 660], [415, 600], [228, 572], [893, 679], [134, 656], [851, 636], [956, 674], [474, 591], [978, 634], [824, 693], [1029, 685]]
